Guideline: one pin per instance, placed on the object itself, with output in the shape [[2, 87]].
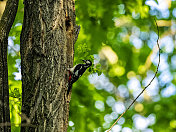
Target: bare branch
[[144, 87]]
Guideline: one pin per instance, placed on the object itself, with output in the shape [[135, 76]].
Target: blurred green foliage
[[15, 90], [120, 37]]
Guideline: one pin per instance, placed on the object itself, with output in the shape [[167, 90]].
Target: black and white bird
[[76, 72]]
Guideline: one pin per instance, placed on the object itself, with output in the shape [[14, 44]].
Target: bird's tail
[[69, 88]]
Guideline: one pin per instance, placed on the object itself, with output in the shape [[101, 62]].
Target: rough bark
[[6, 23], [47, 39]]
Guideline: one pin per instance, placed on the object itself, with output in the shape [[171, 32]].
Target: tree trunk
[[6, 22], [47, 40]]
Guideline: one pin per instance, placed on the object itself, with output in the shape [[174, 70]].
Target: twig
[[144, 87]]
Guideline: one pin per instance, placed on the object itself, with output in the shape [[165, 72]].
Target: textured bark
[[6, 22], [47, 39]]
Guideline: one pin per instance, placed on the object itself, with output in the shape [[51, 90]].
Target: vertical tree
[[47, 40], [6, 22]]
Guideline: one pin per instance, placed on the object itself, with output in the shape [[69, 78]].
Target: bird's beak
[[84, 60]]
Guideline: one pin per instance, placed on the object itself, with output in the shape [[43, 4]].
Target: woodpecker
[[76, 72]]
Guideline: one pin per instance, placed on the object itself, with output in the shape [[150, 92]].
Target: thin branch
[[144, 87], [21, 124], [6, 23]]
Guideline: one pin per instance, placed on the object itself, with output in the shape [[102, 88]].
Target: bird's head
[[88, 62]]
